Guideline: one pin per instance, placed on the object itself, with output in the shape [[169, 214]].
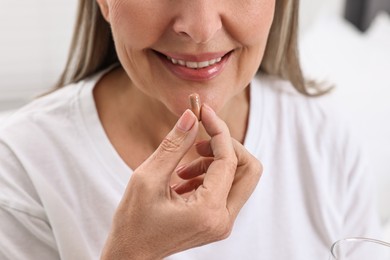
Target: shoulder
[[319, 123], [40, 112], [35, 140], [313, 133], [54, 110], [282, 99]]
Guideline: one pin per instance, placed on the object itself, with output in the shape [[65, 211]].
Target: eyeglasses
[[360, 248]]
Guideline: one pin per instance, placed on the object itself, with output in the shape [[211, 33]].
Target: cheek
[[254, 22], [252, 30], [137, 23]]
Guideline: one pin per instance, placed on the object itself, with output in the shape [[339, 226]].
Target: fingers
[[189, 185], [204, 149], [195, 168], [220, 174], [160, 165], [248, 173]]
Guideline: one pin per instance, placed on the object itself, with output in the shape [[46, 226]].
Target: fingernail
[[180, 168], [173, 186], [205, 106], [186, 121]]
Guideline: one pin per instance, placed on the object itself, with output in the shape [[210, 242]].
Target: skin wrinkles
[[134, 42], [174, 26]]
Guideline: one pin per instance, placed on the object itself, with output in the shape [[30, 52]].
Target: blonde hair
[[92, 48]]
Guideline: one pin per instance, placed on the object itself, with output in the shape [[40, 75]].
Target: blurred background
[[344, 42]]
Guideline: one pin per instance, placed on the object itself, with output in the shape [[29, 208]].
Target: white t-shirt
[[61, 180]]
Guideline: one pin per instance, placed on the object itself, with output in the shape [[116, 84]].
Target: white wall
[[34, 39], [310, 10]]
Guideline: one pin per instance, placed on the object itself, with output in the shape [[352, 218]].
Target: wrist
[[128, 251]]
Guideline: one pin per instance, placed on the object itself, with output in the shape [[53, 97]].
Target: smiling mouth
[[201, 67], [194, 64]]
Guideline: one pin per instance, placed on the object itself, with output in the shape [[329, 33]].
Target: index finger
[[220, 174]]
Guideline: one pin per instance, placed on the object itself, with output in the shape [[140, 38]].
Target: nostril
[[184, 34], [199, 28]]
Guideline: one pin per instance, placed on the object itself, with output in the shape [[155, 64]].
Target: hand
[[153, 220]]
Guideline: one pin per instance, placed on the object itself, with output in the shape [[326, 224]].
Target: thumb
[[160, 165]]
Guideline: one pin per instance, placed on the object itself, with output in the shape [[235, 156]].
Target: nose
[[199, 20]]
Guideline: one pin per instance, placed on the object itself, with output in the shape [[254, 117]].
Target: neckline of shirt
[[95, 133], [107, 154], [254, 132]]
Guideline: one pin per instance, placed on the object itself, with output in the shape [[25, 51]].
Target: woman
[[107, 166]]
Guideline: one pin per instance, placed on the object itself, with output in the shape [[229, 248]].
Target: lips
[[195, 64], [201, 67]]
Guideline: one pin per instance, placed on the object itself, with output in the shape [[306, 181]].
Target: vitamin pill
[[195, 104]]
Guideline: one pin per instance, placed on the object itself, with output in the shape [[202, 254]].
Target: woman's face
[[172, 48]]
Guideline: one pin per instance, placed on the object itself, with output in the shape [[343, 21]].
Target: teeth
[[214, 61], [203, 64], [193, 64]]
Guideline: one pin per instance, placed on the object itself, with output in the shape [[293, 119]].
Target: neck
[[128, 114]]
